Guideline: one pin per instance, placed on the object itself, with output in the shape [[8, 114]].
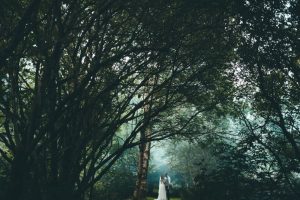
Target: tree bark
[[140, 192], [18, 173]]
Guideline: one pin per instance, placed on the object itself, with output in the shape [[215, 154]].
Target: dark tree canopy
[[75, 73]]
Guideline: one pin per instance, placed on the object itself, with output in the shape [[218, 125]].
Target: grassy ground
[[151, 198]]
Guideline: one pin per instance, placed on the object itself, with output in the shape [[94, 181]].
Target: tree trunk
[[140, 192], [18, 173]]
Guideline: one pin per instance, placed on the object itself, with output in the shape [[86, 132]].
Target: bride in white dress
[[162, 194]]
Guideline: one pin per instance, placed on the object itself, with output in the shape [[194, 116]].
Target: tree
[[71, 75], [144, 154], [266, 27], [269, 70], [119, 182], [218, 160], [213, 18]]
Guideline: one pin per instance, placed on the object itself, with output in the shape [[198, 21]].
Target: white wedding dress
[[162, 194]]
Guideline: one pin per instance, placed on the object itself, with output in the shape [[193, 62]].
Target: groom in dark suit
[[167, 184]]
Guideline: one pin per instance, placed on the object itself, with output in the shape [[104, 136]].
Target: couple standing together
[[164, 187]]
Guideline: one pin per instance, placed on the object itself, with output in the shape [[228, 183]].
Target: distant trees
[[220, 163], [269, 67], [263, 152], [119, 182]]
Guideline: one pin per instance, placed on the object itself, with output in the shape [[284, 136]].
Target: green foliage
[[225, 160], [221, 170], [224, 75], [3, 178], [119, 182], [74, 73]]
